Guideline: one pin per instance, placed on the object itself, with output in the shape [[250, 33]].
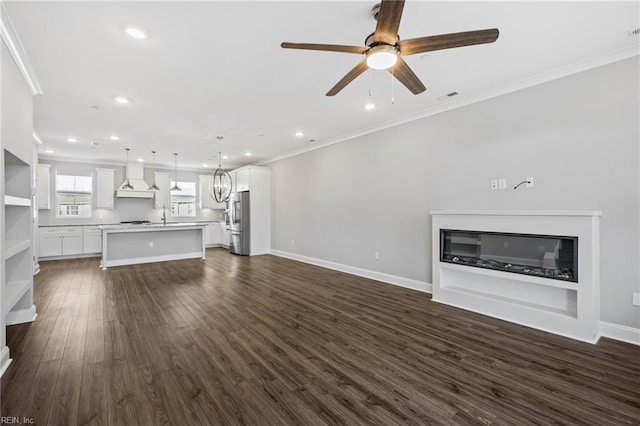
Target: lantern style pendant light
[[127, 184], [153, 186], [220, 186], [176, 187]]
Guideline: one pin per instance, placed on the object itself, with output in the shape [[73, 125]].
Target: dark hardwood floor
[[269, 341]]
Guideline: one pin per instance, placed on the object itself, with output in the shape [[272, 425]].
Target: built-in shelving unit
[[17, 275], [18, 158], [563, 307]]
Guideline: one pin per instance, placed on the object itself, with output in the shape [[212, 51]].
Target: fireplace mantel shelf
[[518, 212]]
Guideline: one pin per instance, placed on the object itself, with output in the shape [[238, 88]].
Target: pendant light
[[127, 184], [220, 186], [153, 186], [176, 187]]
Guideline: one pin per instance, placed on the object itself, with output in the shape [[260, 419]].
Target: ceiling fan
[[384, 50]]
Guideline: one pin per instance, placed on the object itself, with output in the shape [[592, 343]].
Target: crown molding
[[120, 163], [564, 71], [14, 45]]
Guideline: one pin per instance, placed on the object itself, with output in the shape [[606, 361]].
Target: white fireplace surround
[[561, 307]]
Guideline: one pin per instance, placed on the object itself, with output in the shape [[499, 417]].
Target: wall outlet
[[376, 255], [636, 299], [529, 183], [502, 184], [494, 183], [150, 243]]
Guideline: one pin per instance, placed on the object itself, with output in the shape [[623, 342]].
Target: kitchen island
[[132, 244]]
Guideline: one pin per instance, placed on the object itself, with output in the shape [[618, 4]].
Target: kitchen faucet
[[164, 215]]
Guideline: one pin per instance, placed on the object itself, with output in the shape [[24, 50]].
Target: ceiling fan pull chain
[[393, 100], [370, 84]]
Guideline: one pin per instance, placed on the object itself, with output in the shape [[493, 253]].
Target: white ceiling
[[216, 68]]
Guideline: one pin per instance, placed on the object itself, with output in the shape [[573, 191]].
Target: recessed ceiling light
[[299, 134], [114, 137], [248, 154], [370, 106], [121, 100], [49, 151], [225, 157], [140, 160], [72, 140], [136, 32]]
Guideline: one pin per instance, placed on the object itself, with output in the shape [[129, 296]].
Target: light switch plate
[[636, 299], [502, 184], [494, 184]]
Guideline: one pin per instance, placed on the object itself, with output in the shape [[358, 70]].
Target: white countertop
[[57, 225], [151, 226]]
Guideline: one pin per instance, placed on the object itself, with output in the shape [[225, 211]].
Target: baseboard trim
[[68, 257], [22, 316], [620, 332], [365, 273], [5, 360]]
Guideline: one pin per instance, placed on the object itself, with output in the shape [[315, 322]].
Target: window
[[183, 203], [74, 195]]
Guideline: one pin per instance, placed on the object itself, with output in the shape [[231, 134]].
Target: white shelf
[[13, 291], [575, 213], [14, 247], [570, 312], [10, 200], [532, 279]]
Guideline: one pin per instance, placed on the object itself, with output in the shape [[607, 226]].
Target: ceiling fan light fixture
[[382, 57]]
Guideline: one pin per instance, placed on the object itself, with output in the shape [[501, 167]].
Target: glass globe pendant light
[[175, 187], [127, 184], [153, 186], [220, 187]]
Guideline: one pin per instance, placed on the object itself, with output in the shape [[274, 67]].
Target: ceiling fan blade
[[403, 73], [351, 75], [447, 41], [325, 47], [388, 22]]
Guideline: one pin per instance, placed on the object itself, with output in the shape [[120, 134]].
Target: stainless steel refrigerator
[[240, 223]]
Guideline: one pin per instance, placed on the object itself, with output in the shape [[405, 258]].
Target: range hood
[[135, 172]]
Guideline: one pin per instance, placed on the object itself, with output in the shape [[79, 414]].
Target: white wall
[[125, 208], [577, 136]]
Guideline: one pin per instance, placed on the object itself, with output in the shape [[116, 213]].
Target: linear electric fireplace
[[548, 256], [539, 268]]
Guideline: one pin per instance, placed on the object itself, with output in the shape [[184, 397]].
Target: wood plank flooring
[[269, 341]]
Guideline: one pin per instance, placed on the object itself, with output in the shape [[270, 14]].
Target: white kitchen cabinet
[[226, 236], [43, 187], [60, 241], [213, 234], [243, 180], [163, 195], [91, 240], [205, 200], [105, 185]]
